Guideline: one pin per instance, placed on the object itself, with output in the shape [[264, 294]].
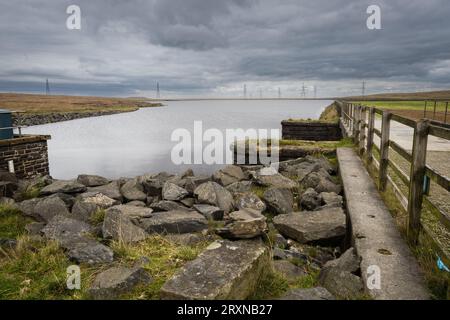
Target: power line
[[158, 92], [363, 88], [303, 94], [47, 87]]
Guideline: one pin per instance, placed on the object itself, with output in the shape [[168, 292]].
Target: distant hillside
[[439, 95]]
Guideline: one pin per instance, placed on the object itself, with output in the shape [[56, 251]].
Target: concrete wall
[[312, 131], [29, 153]]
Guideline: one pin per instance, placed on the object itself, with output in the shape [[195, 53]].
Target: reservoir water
[[130, 144]]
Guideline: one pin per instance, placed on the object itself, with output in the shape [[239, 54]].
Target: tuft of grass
[[97, 217], [12, 222], [36, 270], [259, 190], [271, 285], [165, 258]]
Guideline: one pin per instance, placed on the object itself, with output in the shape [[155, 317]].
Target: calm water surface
[[135, 143]]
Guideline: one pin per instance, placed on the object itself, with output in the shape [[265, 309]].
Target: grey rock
[[136, 203], [116, 281], [172, 192], [188, 202], [280, 241], [269, 177], [47, 208], [99, 199], [111, 190], [250, 201], [214, 194], [279, 200], [331, 199], [279, 254], [120, 227], [342, 284], [191, 183], [317, 293], [83, 210], [224, 271], [168, 206], [133, 190], [92, 180], [209, 212], [289, 270], [245, 224], [73, 235], [228, 175], [7, 189], [310, 200], [68, 199], [153, 183], [240, 187], [132, 212], [9, 202], [349, 261], [320, 183], [174, 222], [324, 226], [34, 228], [61, 186], [188, 173]]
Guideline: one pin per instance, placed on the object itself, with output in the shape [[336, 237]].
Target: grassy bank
[[38, 104]]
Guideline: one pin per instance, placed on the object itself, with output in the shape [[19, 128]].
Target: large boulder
[[224, 271], [100, 200], [111, 190], [120, 227], [228, 175], [62, 186], [172, 192], [116, 281], [245, 224], [174, 222], [74, 236], [317, 293], [133, 190], [310, 200], [83, 210], [214, 194], [249, 201], [323, 226], [209, 212], [279, 200], [92, 180], [132, 211], [269, 177]]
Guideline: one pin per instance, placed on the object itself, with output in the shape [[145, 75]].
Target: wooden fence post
[[362, 130], [384, 149], [356, 124], [370, 133], [417, 176]]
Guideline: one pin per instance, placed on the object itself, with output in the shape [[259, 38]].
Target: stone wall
[[29, 153], [311, 131]]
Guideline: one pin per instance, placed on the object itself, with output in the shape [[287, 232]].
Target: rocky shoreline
[[34, 119], [256, 221]]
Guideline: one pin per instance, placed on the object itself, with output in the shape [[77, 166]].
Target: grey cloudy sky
[[214, 47]]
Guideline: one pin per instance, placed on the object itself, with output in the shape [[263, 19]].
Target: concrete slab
[[376, 238]]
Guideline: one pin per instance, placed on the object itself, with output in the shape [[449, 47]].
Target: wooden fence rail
[[360, 122]]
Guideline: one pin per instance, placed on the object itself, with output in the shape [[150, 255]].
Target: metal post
[[446, 110], [425, 110], [434, 110]]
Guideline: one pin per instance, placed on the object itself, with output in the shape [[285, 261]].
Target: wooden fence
[[359, 122]]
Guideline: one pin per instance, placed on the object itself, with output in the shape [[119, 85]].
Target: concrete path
[[376, 237]]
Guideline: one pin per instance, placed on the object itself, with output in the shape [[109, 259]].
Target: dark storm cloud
[[214, 46]]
